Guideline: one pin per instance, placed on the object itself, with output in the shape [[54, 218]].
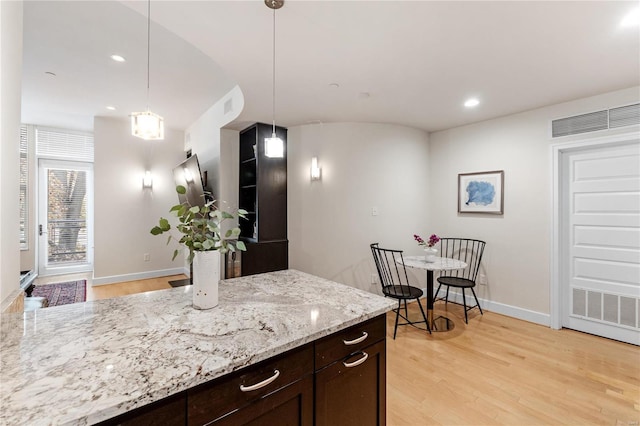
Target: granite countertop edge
[[263, 315]]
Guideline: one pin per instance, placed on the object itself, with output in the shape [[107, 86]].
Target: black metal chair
[[395, 283], [469, 251]]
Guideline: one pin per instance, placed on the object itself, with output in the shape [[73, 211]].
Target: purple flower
[[433, 240]]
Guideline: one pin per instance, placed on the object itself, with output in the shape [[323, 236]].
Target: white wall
[[330, 222], [229, 168], [204, 137], [10, 94], [124, 212], [217, 149], [517, 260]]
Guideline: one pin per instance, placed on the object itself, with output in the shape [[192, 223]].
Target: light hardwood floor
[[112, 290], [499, 370], [496, 370]]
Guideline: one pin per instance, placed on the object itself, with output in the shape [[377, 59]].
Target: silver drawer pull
[[262, 384], [358, 362], [356, 341]]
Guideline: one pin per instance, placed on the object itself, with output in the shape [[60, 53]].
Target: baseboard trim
[[136, 276], [501, 308]]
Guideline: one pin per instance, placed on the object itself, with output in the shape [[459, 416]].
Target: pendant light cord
[[274, 73], [148, 47]]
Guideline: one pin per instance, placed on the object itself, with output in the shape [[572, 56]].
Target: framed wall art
[[481, 192]]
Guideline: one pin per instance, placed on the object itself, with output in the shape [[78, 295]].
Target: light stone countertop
[[87, 362]]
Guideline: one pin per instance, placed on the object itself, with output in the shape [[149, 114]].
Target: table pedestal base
[[439, 324], [442, 324]]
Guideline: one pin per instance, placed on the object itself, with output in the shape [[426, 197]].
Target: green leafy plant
[[201, 228]]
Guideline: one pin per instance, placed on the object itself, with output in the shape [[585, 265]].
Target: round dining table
[[438, 264]]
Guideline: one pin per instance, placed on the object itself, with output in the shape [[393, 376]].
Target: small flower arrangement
[[433, 240]]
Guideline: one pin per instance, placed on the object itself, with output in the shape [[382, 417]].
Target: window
[[65, 207], [24, 188]]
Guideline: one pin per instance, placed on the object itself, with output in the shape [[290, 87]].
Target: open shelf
[[262, 192]]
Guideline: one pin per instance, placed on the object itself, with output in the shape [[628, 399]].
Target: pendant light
[[274, 146], [147, 125]]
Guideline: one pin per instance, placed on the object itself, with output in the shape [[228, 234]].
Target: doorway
[[65, 217], [596, 253]]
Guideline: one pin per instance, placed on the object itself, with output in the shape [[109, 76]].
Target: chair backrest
[[464, 249], [391, 272]]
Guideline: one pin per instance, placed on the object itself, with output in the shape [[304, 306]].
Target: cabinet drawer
[[352, 391], [352, 339], [288, 406], [220, 397]]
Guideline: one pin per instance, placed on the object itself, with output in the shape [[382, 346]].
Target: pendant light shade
[[147, 125], [274, 146]]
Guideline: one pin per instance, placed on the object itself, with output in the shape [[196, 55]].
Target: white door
[[601, 294], [65, 203]]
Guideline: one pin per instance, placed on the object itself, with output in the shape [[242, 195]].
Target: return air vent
[[228, 106], [624, 116], [580, 124], [628, 115]]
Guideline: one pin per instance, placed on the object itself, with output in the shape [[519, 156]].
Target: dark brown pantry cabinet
[[262, 192]]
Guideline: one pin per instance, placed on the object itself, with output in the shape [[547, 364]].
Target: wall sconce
[[147, 180], [315, 170]]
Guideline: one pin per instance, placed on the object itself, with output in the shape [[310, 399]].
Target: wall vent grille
[[228, 106], [624, 116], [606, 308], [628, 115]]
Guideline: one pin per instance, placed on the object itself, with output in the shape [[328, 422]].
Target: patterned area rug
[[63, 293]]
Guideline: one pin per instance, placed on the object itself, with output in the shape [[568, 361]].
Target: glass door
[[65, 242]]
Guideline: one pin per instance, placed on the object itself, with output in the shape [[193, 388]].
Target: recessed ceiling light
[[631, 19], [334, 85], [111, 108], [364, 95], [52, 74], [472, 102], [118, 58]]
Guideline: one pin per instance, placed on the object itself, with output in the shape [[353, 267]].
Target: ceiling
[[412, 63]]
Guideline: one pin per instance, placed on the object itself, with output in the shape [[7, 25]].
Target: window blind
[[64, 144], [24, 187]]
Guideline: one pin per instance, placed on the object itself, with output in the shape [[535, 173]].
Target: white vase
[[430, 254], [206, 275]]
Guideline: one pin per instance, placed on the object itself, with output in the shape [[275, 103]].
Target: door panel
[[65, 203], [602, 292]]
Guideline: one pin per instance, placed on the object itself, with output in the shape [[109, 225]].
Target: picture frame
[[481, 192]]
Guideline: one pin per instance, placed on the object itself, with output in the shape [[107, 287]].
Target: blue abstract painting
[[480, 193]]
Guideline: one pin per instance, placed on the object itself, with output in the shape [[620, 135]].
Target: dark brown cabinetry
[[350, 386], [339, 380], [279, 388], [263, 194]]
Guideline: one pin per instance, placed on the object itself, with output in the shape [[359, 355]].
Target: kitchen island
[[89, 362]]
